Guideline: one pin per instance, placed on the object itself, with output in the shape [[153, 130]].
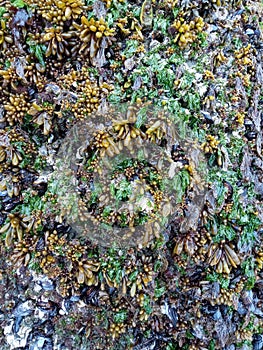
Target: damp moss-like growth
[[143, 117]]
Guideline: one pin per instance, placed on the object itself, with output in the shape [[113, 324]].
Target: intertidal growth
[[117, 177], [131, 182]]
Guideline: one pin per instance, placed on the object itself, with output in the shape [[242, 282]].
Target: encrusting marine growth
[[131, 174]]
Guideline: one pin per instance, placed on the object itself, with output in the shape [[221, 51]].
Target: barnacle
[[223, 257], [95, 36]]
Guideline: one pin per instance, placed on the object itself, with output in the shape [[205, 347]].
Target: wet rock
[[46, 284], [24, 309], [40, 344], [257, 342], [208, 117], [171, 312], [19, 339], [248, 123], [10, 203], [251, 135], [45, 309], [65, 307], [230, 347], [249, 31]]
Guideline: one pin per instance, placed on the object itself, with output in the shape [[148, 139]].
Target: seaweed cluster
[[157, 108], [117, 182], [186, 33]]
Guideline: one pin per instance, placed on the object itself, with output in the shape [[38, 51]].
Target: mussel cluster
[[131, 182]]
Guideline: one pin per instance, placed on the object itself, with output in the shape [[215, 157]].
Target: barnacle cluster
[[111, 220]]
